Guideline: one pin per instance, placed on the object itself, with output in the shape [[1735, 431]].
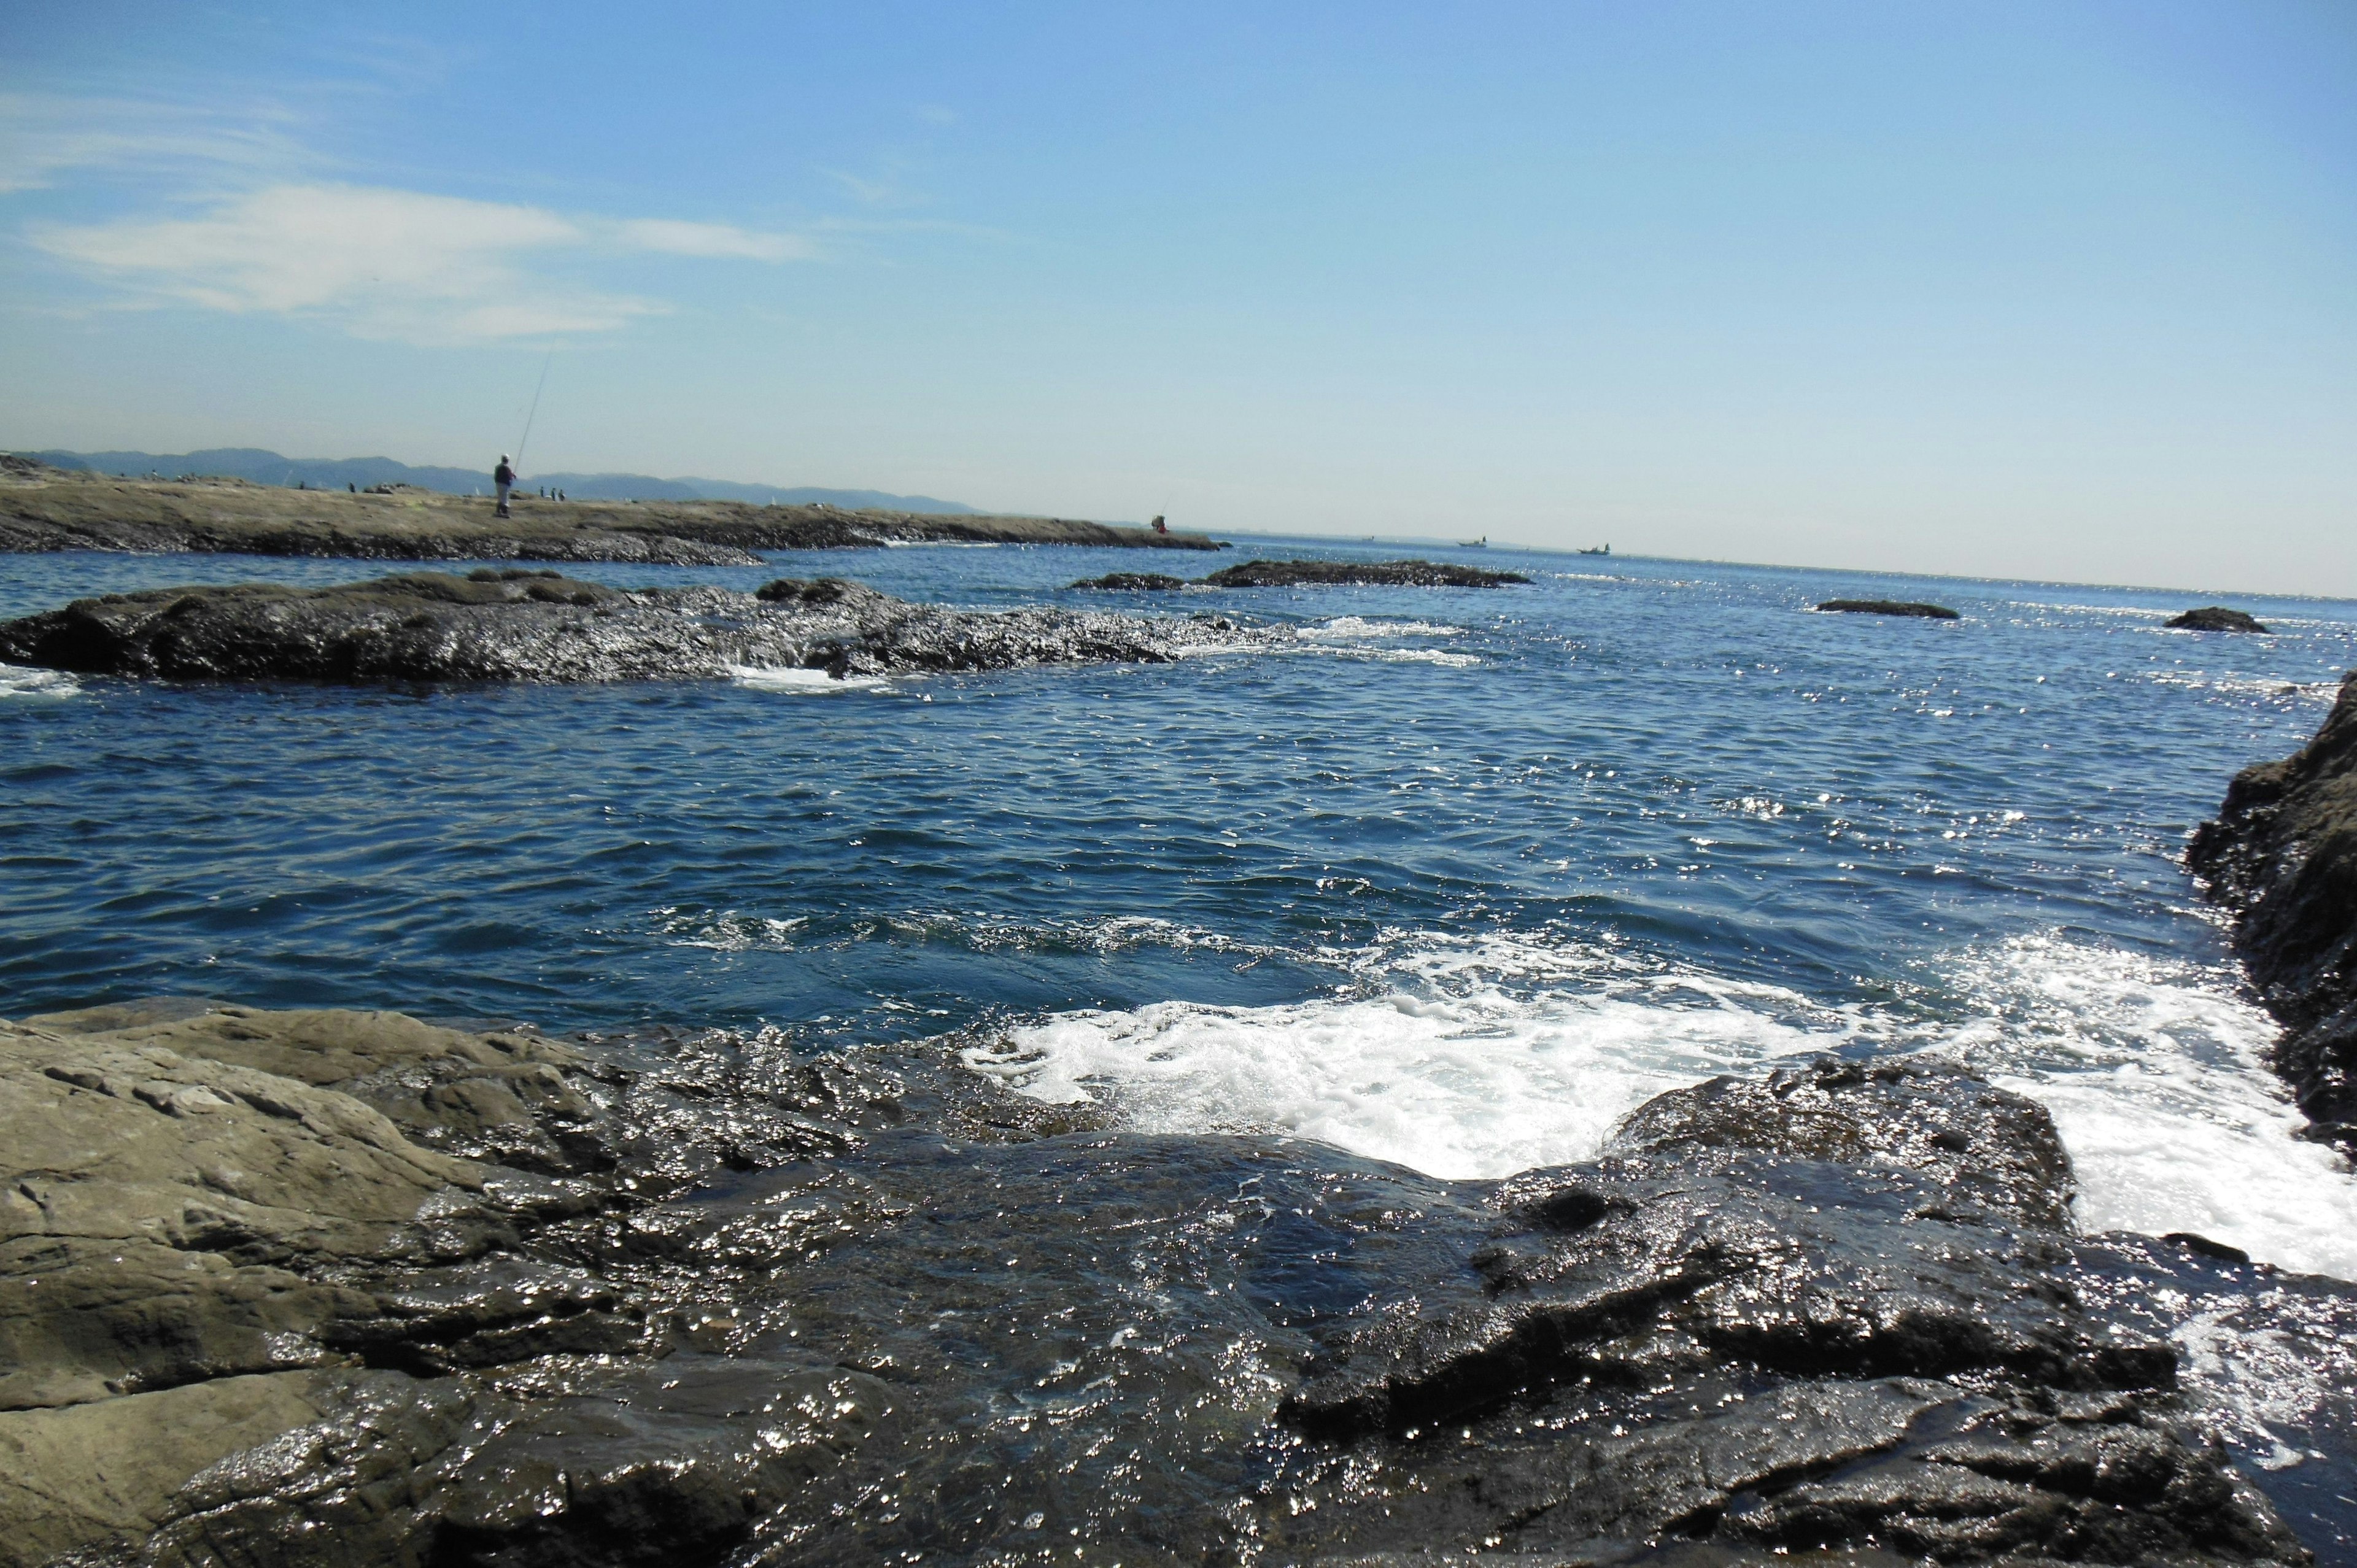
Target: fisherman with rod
[[504, 476]]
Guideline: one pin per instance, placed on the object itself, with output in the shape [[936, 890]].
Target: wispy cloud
[[44, 137], [385, 263], [716, 240]]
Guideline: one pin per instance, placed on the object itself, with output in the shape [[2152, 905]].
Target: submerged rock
[[2282, 855], [389, 1293], [2214, 618], [1889, 608], [518, 625], [1384, 573]]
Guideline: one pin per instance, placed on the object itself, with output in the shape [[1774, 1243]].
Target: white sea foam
[[1451, 1066], [16, 681], [1344, 626], [2155, 1074], [767, 678], [1478, 1059]]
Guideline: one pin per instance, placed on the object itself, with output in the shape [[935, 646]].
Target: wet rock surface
[[522, 624], [386, 1292], [1889, 608], [2282, 855], [2215, 617]]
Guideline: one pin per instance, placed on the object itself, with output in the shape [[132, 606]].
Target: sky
[[2064, 290]]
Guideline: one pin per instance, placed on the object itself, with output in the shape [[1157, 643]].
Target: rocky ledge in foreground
[[1889, 608], [2216, 618], [521, 625], [1295, 574], [344, 1289], [45, 509], [2282, 855]]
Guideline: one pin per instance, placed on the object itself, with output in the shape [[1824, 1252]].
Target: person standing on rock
[[503, 476]]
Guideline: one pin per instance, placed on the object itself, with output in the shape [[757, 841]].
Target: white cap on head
[[503, 456]]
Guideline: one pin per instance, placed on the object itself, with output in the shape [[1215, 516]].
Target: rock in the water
[[1889, 608], [2214, 618], [1380, 574], [2283, 856], [347, 1290], [518, 625], [1132, 581]]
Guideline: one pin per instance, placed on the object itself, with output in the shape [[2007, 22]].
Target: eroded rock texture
[[518, 625], [2283, 856], [348, 1289]]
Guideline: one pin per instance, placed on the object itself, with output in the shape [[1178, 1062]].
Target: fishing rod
[[537, 391]]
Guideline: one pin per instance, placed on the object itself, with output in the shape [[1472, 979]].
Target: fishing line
[[528, 418]]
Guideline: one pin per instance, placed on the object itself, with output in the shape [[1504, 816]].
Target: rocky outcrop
[[2214, 618], [1380, 573], [2282, 855], [45, 509], [1133, 582], [522, 624], [1889, 608], [1296, 574], [348, 1289]]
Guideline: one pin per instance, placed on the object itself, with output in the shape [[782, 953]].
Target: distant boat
[[1480, 544], [1600, 550]]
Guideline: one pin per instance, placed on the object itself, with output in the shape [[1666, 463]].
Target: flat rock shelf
[[348, 1288], [45, 509], [516, 623]]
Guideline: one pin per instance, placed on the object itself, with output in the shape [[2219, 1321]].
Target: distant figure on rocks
[[1159, 526], [354, 486], [503, 476]]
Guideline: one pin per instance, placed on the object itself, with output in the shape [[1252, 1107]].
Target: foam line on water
[[2155, 1072], [17, 681], [764, 678], [1478, 1059], [1461, 1073], [1345, 627]]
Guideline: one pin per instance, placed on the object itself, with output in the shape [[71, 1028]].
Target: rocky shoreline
[[349, 1289], [2282, 858], [44, 509], [526, 625]]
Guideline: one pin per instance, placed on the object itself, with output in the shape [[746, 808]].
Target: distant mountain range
[[334, 473]]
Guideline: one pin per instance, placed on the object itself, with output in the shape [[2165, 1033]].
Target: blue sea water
[[1456, 879]]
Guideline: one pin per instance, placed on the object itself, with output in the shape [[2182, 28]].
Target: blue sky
[[2054, 290]]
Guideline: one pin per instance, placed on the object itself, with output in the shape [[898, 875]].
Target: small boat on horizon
[[1480, 544], [1600, 550]]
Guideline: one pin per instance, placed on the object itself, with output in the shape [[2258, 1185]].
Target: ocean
[[1454, 880]]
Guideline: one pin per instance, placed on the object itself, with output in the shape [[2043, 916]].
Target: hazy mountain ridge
[[267, 467]]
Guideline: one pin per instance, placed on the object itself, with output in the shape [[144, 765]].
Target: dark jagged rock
[[1132, 581], [520, 624], [437, 1296], [1889, 608], [2214, 618], [2282, 855], [1380, 574]]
